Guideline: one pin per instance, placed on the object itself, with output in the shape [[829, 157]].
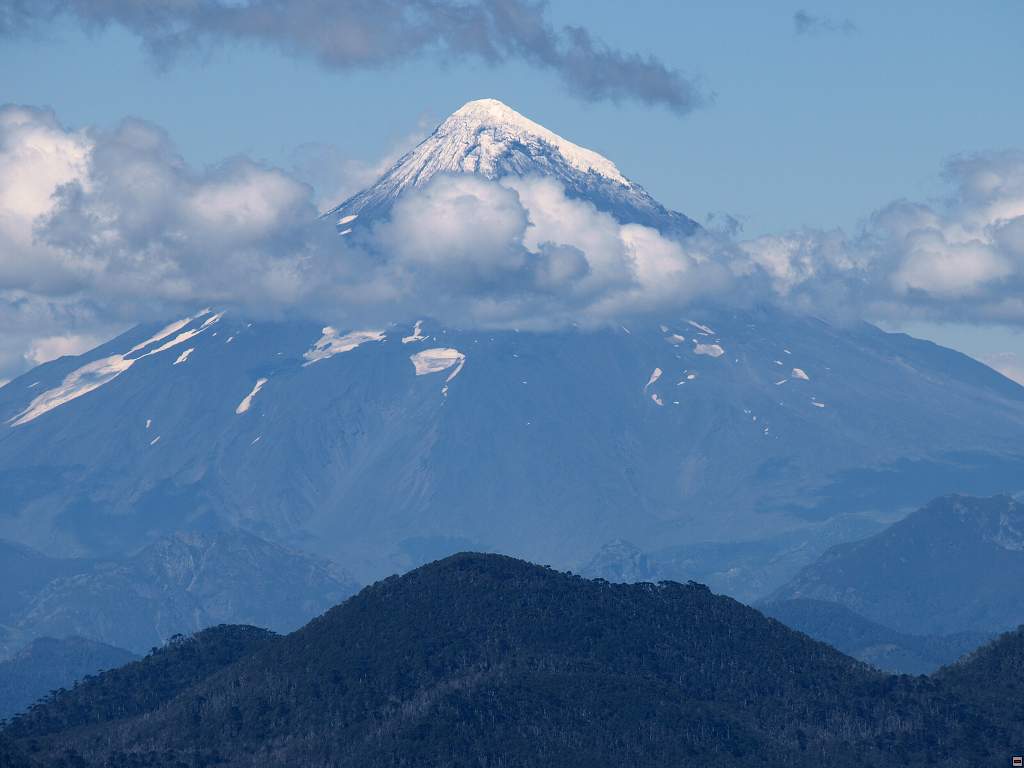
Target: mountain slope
[[952, 566], [481, 659], [350, 451], [49, 664]]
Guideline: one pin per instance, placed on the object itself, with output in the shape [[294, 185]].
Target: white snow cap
[[504, 124], [484, 137]]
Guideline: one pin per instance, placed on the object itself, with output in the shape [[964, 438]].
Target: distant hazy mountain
[[380, 447], [178, 584], [48, 664], [620, 562], [745, 570], [485, 660], [869, 641], [137, 687], [953, 566]]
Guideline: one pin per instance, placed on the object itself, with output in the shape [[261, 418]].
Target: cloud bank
[[958, 259], [103, 229], [362, 34]]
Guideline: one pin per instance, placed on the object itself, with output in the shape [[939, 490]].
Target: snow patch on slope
[[437, 360], [655, 375], [331, 343], [94, 375], [416, 334], [701, 328], [711, 350], [184, 356], [247, 400]]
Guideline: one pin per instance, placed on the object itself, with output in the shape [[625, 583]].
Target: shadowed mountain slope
[[953, 566]]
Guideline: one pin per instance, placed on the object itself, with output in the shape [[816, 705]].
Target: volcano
[[382, 448]]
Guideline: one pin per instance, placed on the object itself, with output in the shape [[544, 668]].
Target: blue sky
[[805, 130]]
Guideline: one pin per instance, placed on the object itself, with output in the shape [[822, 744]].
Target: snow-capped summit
[[483, 131], [488, 138]]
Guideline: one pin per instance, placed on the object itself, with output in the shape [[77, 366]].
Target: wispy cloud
[[361, 34], [805, 23]]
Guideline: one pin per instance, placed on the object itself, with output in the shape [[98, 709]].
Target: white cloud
[[961, 258], [103, 229], [941, 268], [460, 228], [521, 253], [47, 348], [117, 228]]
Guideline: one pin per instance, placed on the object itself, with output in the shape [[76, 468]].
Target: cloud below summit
[[102, 229], [115, 227], [367, 34]]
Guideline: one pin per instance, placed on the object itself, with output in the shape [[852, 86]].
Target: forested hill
[[489, 661]]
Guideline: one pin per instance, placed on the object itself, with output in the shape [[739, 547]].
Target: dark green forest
[[484, 660]]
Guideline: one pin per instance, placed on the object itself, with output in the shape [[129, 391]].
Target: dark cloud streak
[[805, 23], [366, 34]]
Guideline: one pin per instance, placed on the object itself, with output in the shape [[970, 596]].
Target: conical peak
[[495, 117], [488, 138], [489, 110]]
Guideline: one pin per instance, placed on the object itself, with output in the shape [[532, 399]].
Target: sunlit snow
[[94, 375], [331, 343], [247, 400], [700, 327], [655, 375], [437, 360], [711, 350], [416, 334]]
